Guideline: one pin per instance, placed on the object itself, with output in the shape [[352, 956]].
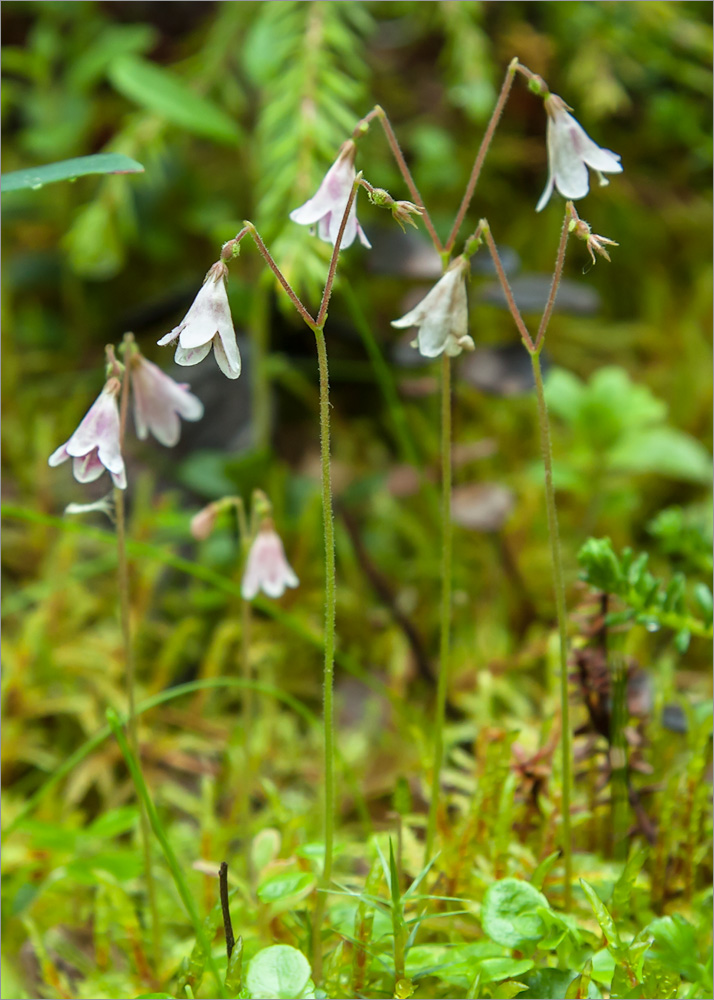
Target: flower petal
[[193, 356], [227, 354], [87, 468], [58, 456]]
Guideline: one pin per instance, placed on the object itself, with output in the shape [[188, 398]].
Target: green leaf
[[234, 972], [509, 914], [159, 90], [34, 178], [494, 970], [600, 564], [285, 885], [543, 870], [703, 598], [675, 945], [663, 451], [547, 984], [279, 973], [564, 393], [622, 892], [607, 924], [113, 822], [93, 243]]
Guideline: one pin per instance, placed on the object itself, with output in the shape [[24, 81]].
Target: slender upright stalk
[[128, 650], [534, 348], [446, 562], [557, 561], [481, 154], [330, 613], [328, 522]]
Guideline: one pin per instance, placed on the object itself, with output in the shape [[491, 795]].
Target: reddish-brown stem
[[362, 125], [515, 312], [570, 214], [380, 113], [322, 313], [481, 155], [250, 228]]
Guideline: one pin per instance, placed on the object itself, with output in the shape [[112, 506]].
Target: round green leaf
[[510, 912], [278, 973]]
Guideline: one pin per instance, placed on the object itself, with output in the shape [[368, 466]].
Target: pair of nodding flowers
[[158, 404]]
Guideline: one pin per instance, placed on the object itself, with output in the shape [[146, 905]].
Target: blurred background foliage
[[236, 110]]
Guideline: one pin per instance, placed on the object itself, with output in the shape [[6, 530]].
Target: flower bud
[[203, 523]]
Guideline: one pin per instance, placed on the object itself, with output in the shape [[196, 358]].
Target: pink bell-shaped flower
[[267, 568], [95, 445], [327, 206], [159, 402], [570, 152], [208, 323], [443, 315]]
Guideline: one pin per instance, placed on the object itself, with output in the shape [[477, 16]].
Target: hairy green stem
[[557, 561], [330, 613], [445, 644], [129, 663]]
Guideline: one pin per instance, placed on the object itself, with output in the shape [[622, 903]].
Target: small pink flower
[[208, 323], [443, 315], [570, 152], [159, 402], [95, 445], [327, 206], [267, 568]]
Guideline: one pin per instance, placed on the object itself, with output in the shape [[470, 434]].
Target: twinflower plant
[[98, 444]]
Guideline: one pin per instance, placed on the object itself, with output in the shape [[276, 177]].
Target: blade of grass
[[168, 851]]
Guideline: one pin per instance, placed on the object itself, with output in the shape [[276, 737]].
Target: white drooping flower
[[327, 206], [570, 152], [443, 316], [267, 568], [208, 323], [96, 444], [159, 402]]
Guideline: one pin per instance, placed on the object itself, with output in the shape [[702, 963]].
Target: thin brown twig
[[481, 155], [225, 908], [515, 312]]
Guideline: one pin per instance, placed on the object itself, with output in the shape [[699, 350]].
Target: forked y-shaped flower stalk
[[317, 326], [534, 347]]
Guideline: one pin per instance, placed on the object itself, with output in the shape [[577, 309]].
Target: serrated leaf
[[163, 92], [34, 178]]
